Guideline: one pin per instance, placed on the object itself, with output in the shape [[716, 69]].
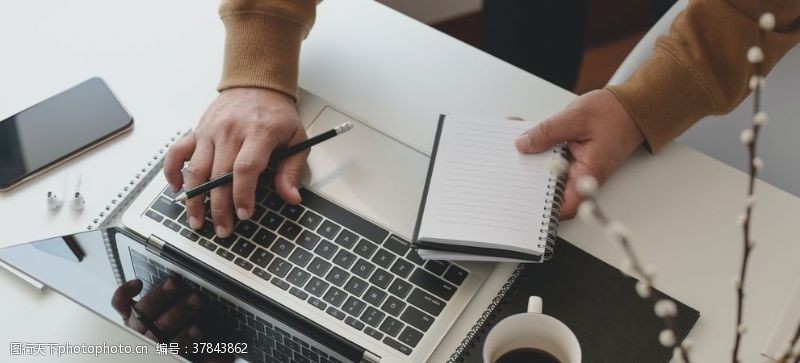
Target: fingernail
[[134, 283], [194, 222], [221, 232], [194, 300], [523, 143], [168, 286], [242, 214], [195, 332]]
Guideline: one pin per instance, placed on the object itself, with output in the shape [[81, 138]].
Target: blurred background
[[585, 40]]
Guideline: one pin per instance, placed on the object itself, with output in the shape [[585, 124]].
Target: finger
[[251, 161], [198, 172], [564, 126], [159, 298], [188, 336], [289, 171], [178, 154], [179, 315], [121, 301], [221, 197], [569, 205]]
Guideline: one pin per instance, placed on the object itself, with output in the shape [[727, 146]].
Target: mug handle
[[535, 305]]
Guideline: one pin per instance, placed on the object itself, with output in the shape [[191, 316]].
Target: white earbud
[[76, 201], [54, 201]]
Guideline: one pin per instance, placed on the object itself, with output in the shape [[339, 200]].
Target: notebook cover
[[597, 301]]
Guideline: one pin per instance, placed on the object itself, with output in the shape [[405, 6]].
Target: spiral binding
[[131, 189], [548, 230]]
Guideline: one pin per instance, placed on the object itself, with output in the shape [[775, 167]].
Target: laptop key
[[300, 294], [280, 267], [384, 258], [189, 235], [425, 301], [316, 287], [365, 248], [337, 276], [207, 230], [335, 296], [355, 286], [292, 211], [354, 306], [455, 274], [346, 239], [417, 318], [344, 259], [381, 278], [343, 216], [262, 274], [171, 225], [226, 254], [354, 323], [336, 313], [258, 212], [396, 245], [393, 306], [154, 216], [437, 267], [290, 230], [400, 288], [167, 207], [328, 229], [301, 257], [207, 244], [243, 264], [308, 239], [319, 267], [298, 277], [372, 317], [264, 238], [414, 257], [373, 333], [243, 248], [402, 268], [363, 268], [432, 284], [226, 242], [326, 249], [317, 303], [271, 220], [391, 326], [273, 201], [261, 257], [282, 248], [246, 229], [397, 346], [310, 220], [410, 336], [280, 283], [374, 296]]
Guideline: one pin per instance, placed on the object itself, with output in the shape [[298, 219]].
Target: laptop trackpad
[[367, 171]]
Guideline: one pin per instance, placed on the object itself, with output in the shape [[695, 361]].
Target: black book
[[594, 299]]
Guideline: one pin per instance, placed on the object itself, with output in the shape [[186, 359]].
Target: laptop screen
[[111, 273]]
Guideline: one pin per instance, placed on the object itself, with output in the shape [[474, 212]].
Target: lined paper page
[[483, 191]]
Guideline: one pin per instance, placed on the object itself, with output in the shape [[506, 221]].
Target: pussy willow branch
[[747, 246], [638, 268], [785, 356]]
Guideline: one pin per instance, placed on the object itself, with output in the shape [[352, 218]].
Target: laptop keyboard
[[269, 343], [333, 260]]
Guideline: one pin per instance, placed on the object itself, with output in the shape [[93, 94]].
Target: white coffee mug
[[532, 330]]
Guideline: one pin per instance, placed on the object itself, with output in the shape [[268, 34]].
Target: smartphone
[[58, 129]]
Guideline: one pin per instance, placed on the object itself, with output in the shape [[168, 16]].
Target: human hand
[[599, 133], [238, 132], [173, 309]]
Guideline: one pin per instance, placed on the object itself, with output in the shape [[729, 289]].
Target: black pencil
[[276, 156]]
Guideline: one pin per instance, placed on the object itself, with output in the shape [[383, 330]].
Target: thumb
[[547, 134]]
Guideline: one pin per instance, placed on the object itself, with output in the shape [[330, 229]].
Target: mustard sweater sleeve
[[701, 68], [262, 42]]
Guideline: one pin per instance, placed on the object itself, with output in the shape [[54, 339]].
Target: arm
[[699, 69], [253, 115]]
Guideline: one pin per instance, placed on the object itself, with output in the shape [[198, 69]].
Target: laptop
[[330, 280]]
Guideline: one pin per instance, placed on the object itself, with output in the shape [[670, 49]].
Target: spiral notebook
[[116, 206], [483, 200]]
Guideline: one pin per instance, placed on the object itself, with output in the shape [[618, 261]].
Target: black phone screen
[[57, 128]]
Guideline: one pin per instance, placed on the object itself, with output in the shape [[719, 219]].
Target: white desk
[[163, 60]]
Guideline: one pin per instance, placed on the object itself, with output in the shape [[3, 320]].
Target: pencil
[[276, 157]]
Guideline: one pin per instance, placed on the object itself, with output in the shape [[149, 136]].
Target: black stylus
[[276, 156]]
